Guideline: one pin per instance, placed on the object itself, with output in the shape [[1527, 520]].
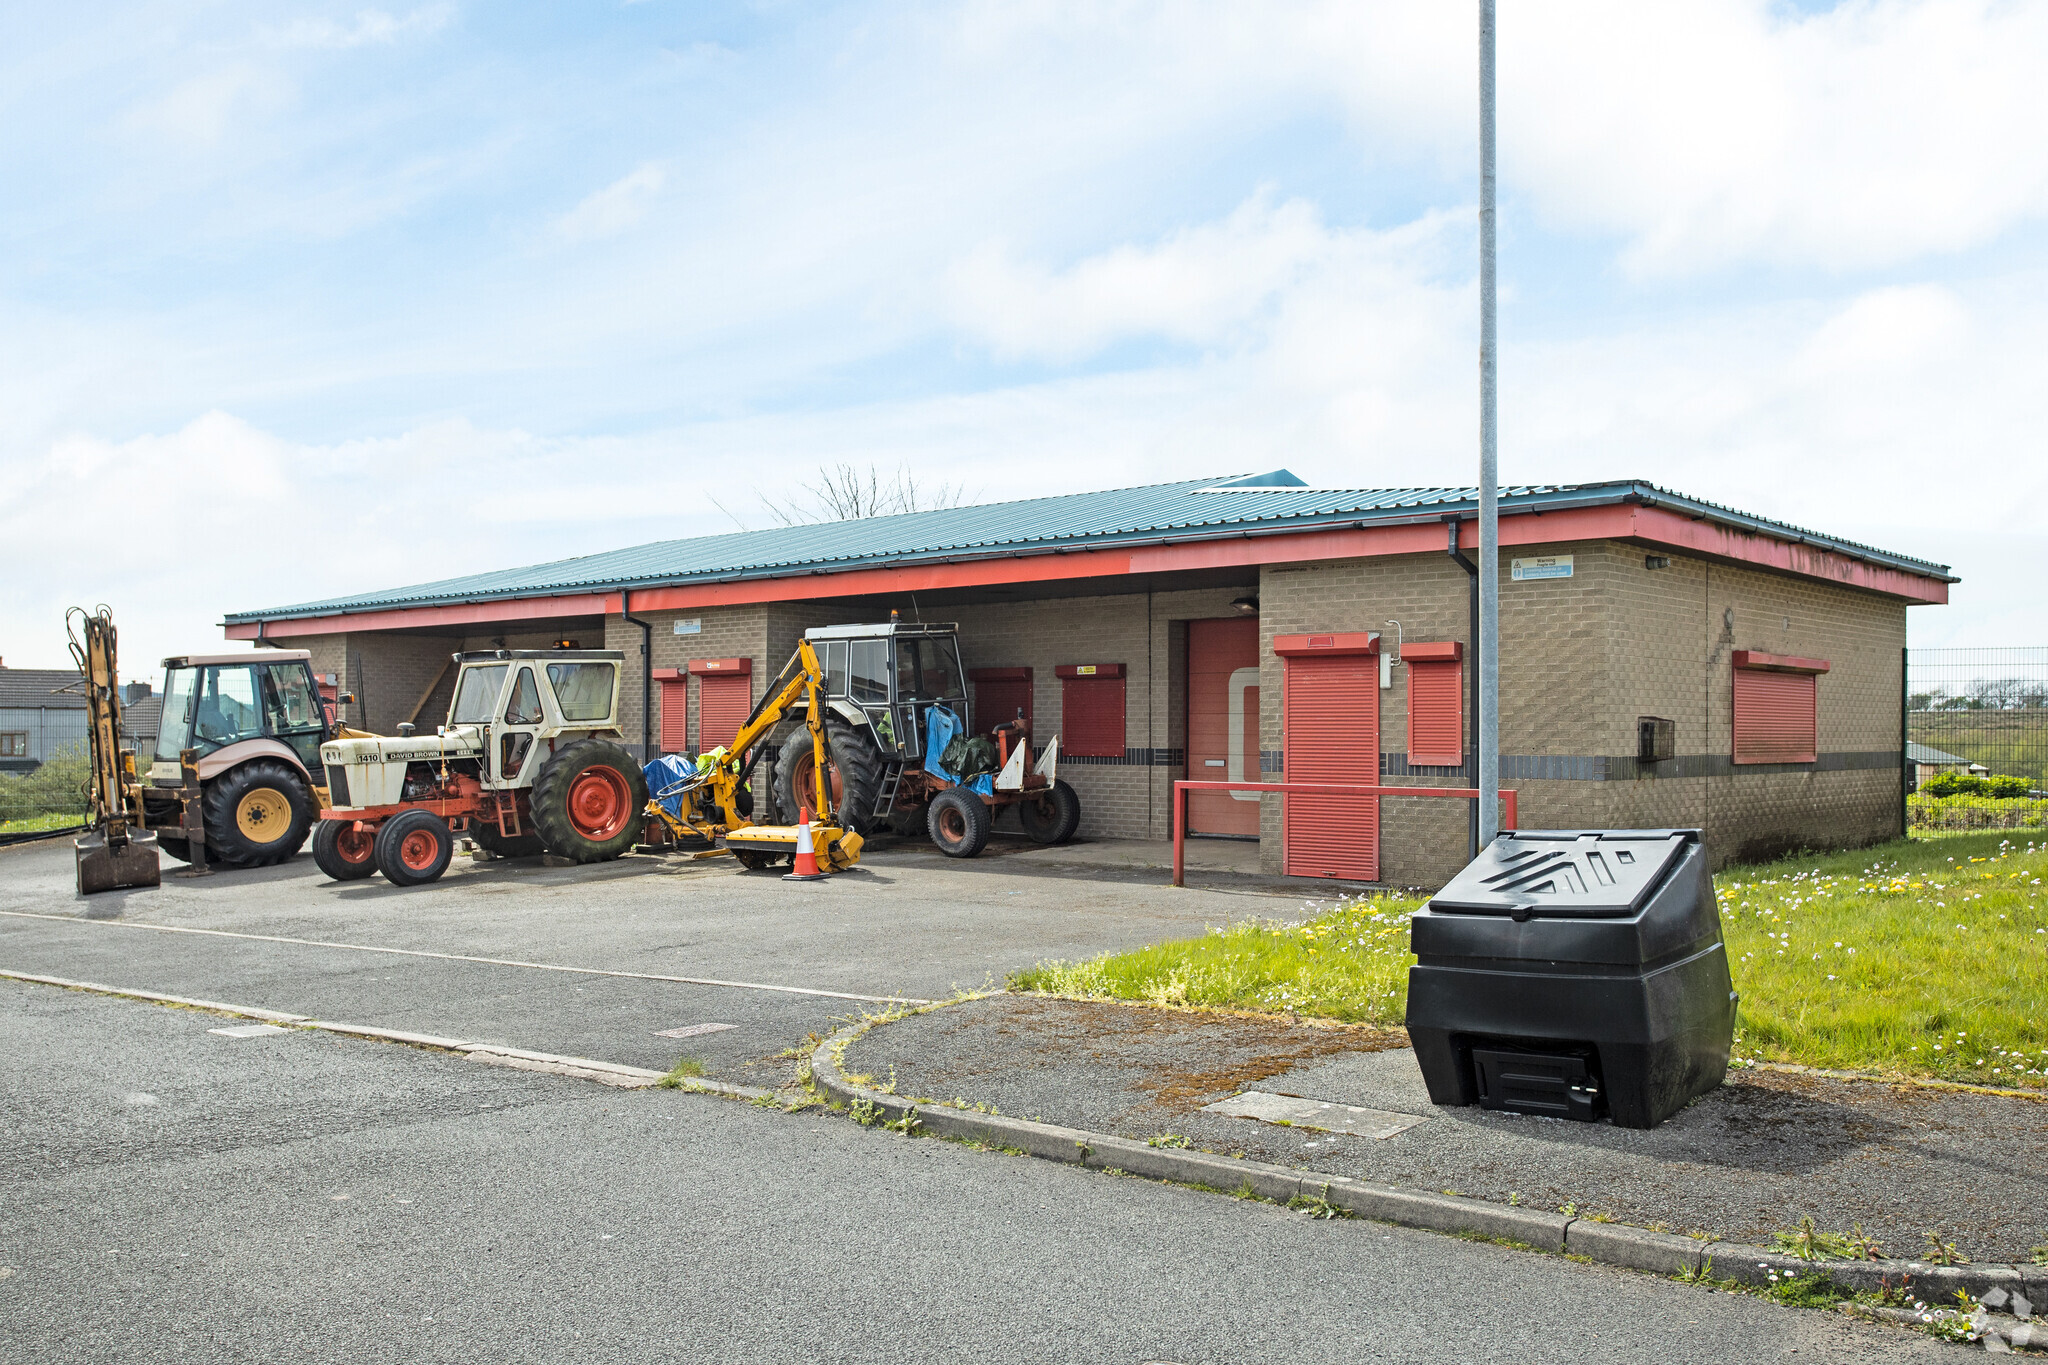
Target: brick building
[[1664, 661]]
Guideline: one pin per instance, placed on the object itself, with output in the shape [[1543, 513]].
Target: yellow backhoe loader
[[119, 851], [707, 801]]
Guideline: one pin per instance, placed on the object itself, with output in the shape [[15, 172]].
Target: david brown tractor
[[529, 762], [899, 746]]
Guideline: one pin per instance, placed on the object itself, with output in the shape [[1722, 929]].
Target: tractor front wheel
[[343, 852], [413, 847], [257, 814], [1052, 816], [959, 823], [588, 802]]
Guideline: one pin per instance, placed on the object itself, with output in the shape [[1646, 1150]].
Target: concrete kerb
[[497, 1054], [1615, 1244]]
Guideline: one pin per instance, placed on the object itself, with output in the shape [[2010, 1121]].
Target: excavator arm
[[118, 851]]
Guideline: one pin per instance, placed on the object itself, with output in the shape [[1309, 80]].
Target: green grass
[[1925, 957], [29, 824]]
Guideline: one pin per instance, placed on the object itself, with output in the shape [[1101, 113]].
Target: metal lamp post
[[1486, 734]]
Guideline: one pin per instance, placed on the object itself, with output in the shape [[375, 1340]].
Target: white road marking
[[694, 1030], [461, 957], [248, 1030]]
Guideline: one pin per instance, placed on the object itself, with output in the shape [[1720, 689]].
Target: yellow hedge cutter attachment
[[708, 800]]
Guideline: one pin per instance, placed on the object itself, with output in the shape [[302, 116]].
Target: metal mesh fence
[[1980, 706]]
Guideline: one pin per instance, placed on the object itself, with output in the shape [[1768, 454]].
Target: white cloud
[[616, 207], [1876, 132], [369, 26], [1884, 331], [202, 109]]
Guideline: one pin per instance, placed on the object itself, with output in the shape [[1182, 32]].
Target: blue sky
[[328, 298]]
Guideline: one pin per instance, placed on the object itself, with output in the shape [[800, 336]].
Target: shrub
[[57, 787], [1955, 784], [2006, 788]]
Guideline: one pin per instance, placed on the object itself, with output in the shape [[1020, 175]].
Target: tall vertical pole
[[1488, 664]]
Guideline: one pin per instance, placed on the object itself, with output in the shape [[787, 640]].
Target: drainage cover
[[1297, 1111]]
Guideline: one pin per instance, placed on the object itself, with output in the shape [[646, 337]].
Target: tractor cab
[[213, 702], [888, 675]]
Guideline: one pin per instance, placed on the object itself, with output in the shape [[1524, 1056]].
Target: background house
[[38, 717]]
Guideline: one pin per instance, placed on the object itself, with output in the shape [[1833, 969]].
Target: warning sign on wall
[[1542, 566]]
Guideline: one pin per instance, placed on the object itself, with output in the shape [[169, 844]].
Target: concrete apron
[[1615, 1244]]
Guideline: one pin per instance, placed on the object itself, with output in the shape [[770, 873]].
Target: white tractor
[[529, 762]]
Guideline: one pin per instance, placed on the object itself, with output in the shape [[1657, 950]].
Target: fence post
[[1905, 742]]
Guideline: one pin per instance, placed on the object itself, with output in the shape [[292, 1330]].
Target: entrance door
[[1332, 723], [1223, 723]]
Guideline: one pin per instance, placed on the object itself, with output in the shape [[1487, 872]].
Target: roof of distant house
[[1168, 513], [25, 689]]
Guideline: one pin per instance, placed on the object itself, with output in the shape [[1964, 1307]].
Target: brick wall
[[1583, 658]]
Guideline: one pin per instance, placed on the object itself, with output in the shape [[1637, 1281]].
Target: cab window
[[524, 707], [870, 671], [476, 694], [293, 702], [227, 705], [583, 691]]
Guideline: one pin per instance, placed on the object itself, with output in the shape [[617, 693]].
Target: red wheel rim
[[952, 823], [804, 781], [354, 846], [599, 802], [419, 849]]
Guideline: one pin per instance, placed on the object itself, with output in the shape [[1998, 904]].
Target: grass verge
[[32, 823], [1921, 957]]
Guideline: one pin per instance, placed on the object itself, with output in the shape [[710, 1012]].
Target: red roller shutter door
[[675, 710], [1776, 708], [999, 694], [725, 694], [1331, 715], [1091, 710], [1436, 703], [1223, 723]]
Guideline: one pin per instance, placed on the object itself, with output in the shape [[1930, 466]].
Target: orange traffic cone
[[806, 855]]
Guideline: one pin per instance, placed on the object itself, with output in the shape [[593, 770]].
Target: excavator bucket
[[105, 868]]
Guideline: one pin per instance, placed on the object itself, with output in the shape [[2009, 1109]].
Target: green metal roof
[[1193, 510]]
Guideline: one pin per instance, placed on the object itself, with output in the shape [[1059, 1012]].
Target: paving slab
[[1740, 1163]]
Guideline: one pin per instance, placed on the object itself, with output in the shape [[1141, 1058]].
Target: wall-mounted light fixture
[[1656, 561], [1246, 606]]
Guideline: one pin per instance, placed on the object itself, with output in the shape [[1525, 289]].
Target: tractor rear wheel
[[1053, 815], [413, 847], [959, 823], [485, 832], [853, 775], [343, 852], [589, 801], [257, 814]]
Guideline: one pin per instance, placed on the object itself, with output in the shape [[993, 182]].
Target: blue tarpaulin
[[667, 771], [941, 727]]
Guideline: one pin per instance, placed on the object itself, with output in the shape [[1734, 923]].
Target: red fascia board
[[1778, 663], [667, 674], [1449, 651], [1657, 526], [999, 675], [1336, 642], [1662, 526], [461, 614], [734, 668], [1088, 670]]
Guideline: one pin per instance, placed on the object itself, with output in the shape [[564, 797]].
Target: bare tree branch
[[847, 492]]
